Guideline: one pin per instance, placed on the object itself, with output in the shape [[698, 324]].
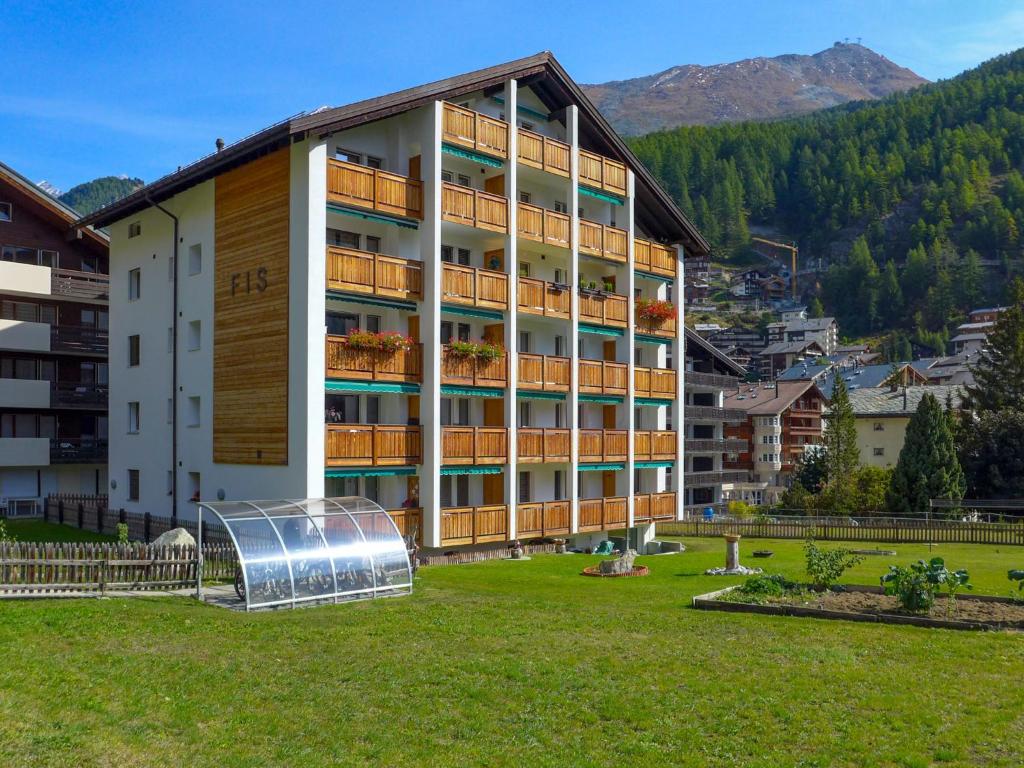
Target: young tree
[[999, 369], [815, 308], [928, 467], [992, 455], [842, 456]]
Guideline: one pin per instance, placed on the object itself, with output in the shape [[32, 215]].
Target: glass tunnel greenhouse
[[299, 551]]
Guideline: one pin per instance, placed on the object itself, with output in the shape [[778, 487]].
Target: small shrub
[[915, 586], [4, 535], [826, 566], [767, 585], [122, 533]]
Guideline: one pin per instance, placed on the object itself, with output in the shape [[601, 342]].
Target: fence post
[[99, 518], [81, 515], [145, 527], [46, 509], [122, 516], [60, 511]]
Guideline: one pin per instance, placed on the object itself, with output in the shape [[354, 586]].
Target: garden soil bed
[[860, 603]]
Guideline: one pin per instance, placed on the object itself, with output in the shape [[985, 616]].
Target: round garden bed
[[595, 570]]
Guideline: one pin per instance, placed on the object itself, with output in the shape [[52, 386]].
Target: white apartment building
[[458, 300]]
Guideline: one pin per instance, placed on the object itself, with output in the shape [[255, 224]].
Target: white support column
[[511, 326], [679, 357], [630, 346], [430, 327], [572, 400]]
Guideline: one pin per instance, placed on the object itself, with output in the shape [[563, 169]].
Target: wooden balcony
[[654, 258], [474, 208], [649, 507], [539, 297], [473, 525], [602, 514], [374, 274], [372, 188], [549, 518], [544, 153], [602, 173], [539, 445], [371, 364], [654, 382], [657, 445], [601, 308], [409, 522], [665, 328], [475, 131], [469, 372], [599, 445], [544, 373], [80, 285], [372, 445], [474, 445], [601, 377], [474, 287], [542, 225], [603, 240]]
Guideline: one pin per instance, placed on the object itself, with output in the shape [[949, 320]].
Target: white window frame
[[135, 284], [134, 417]]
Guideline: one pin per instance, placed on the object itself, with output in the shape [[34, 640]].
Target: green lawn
[[516, 664], [37, 530]]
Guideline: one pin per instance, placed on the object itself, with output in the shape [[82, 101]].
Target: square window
[[447, 176], [134, 347], [133, 485], [344, 239], [464, 181], [195, 335], [524, 487], [133, 418], [6, 212], [879, 451], [195, 259], [524, 197], [374, 162], [879, 427], [193, 411], [447, 254], [348, 157], [48, 258], [134, 284], [372, 244], [135, 229]]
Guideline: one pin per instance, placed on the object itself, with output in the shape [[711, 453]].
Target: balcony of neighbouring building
[[603, 445], [547, 518], [372, 445], [474, 525], [658, 383], [604, 241], [78, 450], [540, 297], [713, 413], [602, 514], [654, 258], [650, 507], [544, 373], [24, 393], [374, 189], [715, 477], [603, 377], [544, 153], [474, 131], [25, 335], [474, 208], [467, 371], [715, 380], [542, 225], [538, 445], [654, 445], [399, 365], [374, 274], [474, 287], [87, 286], [603, 308], [70, 338], [76, 394], [24, 451], [474, 446], [602, 173]]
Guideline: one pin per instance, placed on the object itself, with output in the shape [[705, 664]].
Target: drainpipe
[[174, 369]]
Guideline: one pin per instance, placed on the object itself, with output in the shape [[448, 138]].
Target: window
[[524, 487], [371, 488], [559, 484], [464, 181], [561, 207], [524, 197], [193, 483], [135, 229], [524, 341], [560, 276], [526, 125], [560, 415], [372, 409], [524, 413], [6, 212], [447, 176], [195, 259], [348, 157], [133, 485], [372, 244], [464, 254], [134, 346], [48, 258], [524, 269], [343, 238], [134, 284], [133, 418], [193, 411], [447, 254], [879, 451], [373, 323], [559, 346], [195, 335], [374, 162], [879, 427]]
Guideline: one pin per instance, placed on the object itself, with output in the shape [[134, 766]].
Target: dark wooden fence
[[81, 568], [90, 513], [887, 530]]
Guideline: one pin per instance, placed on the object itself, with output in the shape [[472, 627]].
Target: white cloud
[[975, 43]]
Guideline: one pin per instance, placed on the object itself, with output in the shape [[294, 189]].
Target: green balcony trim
[[383, 218], [355, 298], [643, 338], [486, 314], [468, 154], [605, 196], [454, 391], [530, 395], [600, 330], [370, 472], [653, 464], [603, 467], [605, 399], [471, 470], [524, 110], [651, 276], [383, 387], [652, 401]]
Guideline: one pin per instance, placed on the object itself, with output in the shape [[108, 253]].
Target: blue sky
[[100, 88]]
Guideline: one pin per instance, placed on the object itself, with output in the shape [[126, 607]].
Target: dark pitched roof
[[768, 399], [691, 337], [542, 72]]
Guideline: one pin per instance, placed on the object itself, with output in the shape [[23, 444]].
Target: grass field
[[37, 530], [516, 664]]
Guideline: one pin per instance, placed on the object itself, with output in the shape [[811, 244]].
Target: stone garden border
[[710, 601], [594, 570]]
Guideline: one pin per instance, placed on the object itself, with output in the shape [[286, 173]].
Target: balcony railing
[[474, 445], [470, 372], [657, 445], [405, 365], [78, 450], [538, 445], [701, 379], [376, 274], [351, 184], [713, 413], [548, 518], [649, 507], [602, 514], [409, 521], [474, 208], [73, 394], [715, 477], [69, 338], [473, 525], [80, 285], [474, 287], [664, 328], [543, 225], [654, 382], [603, 308], [475, 131], [602, 172], [655, 258], [601, 377], [544, 153], [716, 445], [544, 373], [372, 445], [539, 297], [597, 445], [604, 241]]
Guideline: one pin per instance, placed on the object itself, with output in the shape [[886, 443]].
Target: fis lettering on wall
[[247, 282]]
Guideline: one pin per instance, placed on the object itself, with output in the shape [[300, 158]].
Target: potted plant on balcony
[[654, 312], [481, 351], [368, 341], [609, 286]]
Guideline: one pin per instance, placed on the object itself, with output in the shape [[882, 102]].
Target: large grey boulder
[[174, 537], [621, 564]]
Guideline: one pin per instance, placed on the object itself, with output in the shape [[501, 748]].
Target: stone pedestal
[[732, 551]]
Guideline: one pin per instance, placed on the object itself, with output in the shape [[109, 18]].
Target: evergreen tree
[[815, 308], [890, 296], [928, 467], [999, 369], [992, 455], [840, 443]]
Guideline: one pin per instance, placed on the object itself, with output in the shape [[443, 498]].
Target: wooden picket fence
[[90, 513], [887, 530], [481, 555], [47, 569]]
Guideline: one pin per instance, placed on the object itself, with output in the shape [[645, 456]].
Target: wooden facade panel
[[250, 327]]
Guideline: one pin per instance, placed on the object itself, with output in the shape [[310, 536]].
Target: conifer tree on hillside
[[840, 442], [999, 369], [928, 467], [815, 308]]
